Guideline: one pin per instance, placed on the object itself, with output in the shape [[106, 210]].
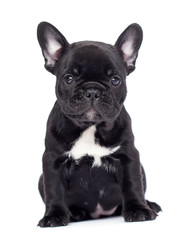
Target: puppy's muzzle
[[92, 91], [92, 94]]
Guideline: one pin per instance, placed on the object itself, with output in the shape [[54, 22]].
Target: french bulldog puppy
[[91, 167]]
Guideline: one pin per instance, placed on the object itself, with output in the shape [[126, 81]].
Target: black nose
[[92, 94]]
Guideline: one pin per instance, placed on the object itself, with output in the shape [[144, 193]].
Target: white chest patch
[[86, 145]]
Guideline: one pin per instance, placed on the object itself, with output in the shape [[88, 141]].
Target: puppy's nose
[[92, 94]]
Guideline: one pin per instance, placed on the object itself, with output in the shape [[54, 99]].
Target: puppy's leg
[[52, 191], [41, 187], [154, 206], [135, 207]]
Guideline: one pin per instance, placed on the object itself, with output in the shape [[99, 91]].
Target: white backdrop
[[27, 95]]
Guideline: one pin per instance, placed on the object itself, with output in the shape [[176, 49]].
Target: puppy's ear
[[52, 43], [129, 43]]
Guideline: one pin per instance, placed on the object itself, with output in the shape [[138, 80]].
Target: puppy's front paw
[[137, 215], [54, 221]]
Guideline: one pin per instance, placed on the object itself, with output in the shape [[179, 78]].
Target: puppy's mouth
[[90, 115]]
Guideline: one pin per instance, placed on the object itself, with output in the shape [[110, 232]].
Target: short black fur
[[90, 90]]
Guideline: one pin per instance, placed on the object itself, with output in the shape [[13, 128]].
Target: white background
[[27, 95]]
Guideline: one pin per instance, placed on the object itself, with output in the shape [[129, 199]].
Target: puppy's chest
[[86, 145]]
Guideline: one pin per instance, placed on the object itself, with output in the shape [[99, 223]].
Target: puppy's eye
[[115, 80], [69, 79]]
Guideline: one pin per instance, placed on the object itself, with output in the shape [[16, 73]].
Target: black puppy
[[91, 167]]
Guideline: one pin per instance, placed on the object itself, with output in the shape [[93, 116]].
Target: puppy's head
[[90, 85]]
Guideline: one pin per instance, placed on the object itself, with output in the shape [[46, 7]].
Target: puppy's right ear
[[128, 44], [52, 43]]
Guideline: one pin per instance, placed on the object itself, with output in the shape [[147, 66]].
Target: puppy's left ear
[[52, 43], [129, 43]]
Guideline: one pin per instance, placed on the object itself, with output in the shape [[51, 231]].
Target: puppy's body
[[91, 167]]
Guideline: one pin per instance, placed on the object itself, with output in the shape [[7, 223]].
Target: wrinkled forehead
[[90, 56]]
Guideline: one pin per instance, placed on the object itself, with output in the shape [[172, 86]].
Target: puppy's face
[[91, 85], [90, 82]]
